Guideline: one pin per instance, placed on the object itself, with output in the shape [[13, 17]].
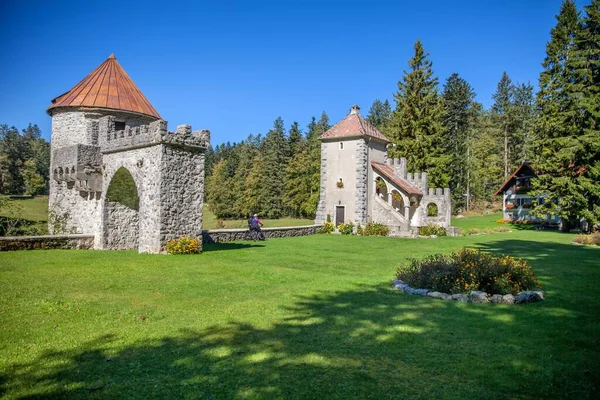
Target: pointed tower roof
[[108, 86], [354, 125]]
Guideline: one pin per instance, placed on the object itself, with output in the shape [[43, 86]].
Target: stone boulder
[[439, 295], [421, 292], [478, 297], [496, 299], [508, 299], [529, 296], [460, 297]]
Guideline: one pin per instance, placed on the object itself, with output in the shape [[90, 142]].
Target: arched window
[[381, 188], [397, 201], [432, 210]]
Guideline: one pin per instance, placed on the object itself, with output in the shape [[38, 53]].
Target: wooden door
[[339, 215]]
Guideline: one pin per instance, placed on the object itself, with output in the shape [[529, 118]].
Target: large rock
[[421, 292], [398, 284], [409, 290], [460, 297], [478, 297], [496, 299], [508, 299], [439, 295], [529, 296]]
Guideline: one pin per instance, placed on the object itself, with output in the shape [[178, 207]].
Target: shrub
[[432, 230], [184, 245], [359, 229], [327, 227], [376, 229], [468, 270], [501, 229], [219, 224], [346, 228], [593, 239], [474, 231]]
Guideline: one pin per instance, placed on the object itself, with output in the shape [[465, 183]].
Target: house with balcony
[[517, 201]]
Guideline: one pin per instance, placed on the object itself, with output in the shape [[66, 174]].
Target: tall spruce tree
[[566, 179], [380, 114], [504, 111], [416, 126], [458, 98], [275, 152]]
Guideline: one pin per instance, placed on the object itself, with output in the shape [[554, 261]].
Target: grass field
[[307, 317], [35, 209]]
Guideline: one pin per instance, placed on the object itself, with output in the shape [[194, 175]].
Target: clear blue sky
[[233, 67]]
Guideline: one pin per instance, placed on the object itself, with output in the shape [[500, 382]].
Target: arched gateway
[[108, 141]]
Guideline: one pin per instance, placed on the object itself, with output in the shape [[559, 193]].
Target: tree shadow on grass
[[369, 342], [228, 246]]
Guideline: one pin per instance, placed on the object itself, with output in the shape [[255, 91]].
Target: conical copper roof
[[108, 86]]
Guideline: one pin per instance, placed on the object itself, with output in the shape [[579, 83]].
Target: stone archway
[[397, 201], [121, 212], [381, 188]]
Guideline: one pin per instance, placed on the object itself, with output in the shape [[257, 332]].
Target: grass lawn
[[35, 209], [306, 317], [479, 221], [210, 221]]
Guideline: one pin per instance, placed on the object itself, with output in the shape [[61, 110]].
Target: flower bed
[[469, 271]]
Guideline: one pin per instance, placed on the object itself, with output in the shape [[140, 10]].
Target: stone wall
[[229, 235], [362, 152], [46, 242], [121, 227], [439, 197], [321, 215], [181, 193]]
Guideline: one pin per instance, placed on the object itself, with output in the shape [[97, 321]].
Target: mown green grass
[[34, 209], [307, 317], [210, 221], [478, 221]]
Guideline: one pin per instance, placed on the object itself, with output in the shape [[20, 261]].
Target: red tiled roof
[[353, 125], [525, 164], [108, 86], [402, 183]]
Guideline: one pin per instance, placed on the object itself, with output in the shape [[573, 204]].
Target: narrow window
[[341, 145], [119, 126]]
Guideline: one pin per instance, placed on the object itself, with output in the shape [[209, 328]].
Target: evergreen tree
[[524, 105], [458, 99], [486, 163], [220, 194], [504, 111], [564, 156], [416, 126], [295, 139], [380, 114], [13, 153], [274, 152]]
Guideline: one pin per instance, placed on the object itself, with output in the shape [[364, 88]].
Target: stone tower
[[103, 126], [360, 184], [346, 179]]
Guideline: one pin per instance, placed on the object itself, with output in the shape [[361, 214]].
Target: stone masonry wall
[[361, 182], [181, 193], [321, 207], [229, 235], [9, 243], [121, 229]]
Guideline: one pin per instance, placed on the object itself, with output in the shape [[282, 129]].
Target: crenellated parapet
[[114, 138], [417, 179]]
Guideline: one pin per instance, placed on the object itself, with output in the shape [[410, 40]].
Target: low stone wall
[[229, 235], [46, 242], [474, 296]]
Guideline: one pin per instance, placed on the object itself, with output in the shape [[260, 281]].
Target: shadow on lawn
[[370, 342], [228, 246]]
